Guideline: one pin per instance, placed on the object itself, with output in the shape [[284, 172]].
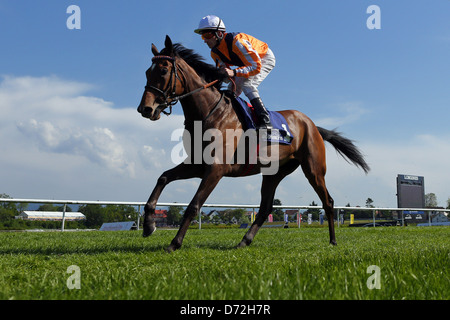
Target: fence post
[[429, 218], [373, 215], [200, 219], [63, 217], [138, 216], [337, 217]]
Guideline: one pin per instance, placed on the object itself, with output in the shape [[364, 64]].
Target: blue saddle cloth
[[280, 132]]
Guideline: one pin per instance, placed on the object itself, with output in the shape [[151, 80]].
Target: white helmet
[[210, 22]]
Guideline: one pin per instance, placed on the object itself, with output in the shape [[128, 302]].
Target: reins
[[174, 98]]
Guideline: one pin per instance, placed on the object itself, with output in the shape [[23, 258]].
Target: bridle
[[170, 92], [166, 93]]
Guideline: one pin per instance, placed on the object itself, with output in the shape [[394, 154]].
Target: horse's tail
[[345, 148]]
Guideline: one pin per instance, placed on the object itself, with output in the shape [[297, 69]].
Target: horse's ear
[[154, 50], [169, 46]]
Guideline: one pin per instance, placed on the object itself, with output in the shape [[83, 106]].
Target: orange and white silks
[[241, 50]]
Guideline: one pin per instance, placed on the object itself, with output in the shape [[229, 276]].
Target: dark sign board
[[410, 191]]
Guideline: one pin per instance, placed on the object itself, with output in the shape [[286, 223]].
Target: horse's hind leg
[[268, 187], [314, 169]]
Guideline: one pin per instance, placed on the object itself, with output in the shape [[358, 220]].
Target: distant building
[[160, 217], [440, 217], [213, 213], [50, 216]]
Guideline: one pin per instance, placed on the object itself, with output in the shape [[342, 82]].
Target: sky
[[69, 129]]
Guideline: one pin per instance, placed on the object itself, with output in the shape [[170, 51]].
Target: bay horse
[[180, 74]]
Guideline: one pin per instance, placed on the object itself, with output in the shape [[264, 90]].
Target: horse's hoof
[[172, 248], [174, 245], [148, 231], [241, 244], [333, 242], [244, 243]]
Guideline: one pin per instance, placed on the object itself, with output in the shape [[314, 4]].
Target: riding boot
[[262, 113]]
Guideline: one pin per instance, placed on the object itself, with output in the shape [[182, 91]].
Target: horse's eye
[[164, 71]]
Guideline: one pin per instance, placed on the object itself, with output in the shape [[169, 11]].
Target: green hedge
[[27, 224]]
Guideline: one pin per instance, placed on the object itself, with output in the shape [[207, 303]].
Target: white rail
[[248, 206]]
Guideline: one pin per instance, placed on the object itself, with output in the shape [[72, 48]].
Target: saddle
[[246, 114]]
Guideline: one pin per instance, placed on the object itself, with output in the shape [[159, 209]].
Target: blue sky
[[70, 130]]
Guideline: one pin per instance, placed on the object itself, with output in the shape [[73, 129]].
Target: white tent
[[50, 215]]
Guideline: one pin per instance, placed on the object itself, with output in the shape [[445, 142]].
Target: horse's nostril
[[143, 109]]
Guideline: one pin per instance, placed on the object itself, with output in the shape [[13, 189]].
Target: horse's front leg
[[182, 171], [209, 182]]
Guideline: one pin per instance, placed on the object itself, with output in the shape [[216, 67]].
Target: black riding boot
[[262, 113]]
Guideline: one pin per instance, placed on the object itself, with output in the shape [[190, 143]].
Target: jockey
[[252, 58]]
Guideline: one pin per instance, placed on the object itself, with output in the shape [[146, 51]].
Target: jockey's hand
[[223, 74], [226, 72], [229, 72]]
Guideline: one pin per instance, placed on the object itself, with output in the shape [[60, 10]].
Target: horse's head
[[163, 83]]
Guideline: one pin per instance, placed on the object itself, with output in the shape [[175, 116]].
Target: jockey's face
[[211, 39]]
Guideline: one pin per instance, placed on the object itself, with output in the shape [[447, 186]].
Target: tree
[[7, 209], [278, 213], [430, 200], [47, 207], [22, 206], [239, 215], [369, 203], [94, 215], [229, 216], [51, 207], [118, 213], [226, 216], [174, 215], [448, 203], [315, 212]]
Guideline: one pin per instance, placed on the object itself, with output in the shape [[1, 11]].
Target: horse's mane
[[205, 70]]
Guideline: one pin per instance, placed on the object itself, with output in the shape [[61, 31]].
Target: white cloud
[[48, 118], [152, 157], [62, 122], [349, 112]]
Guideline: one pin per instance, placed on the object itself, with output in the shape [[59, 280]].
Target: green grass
[[280, 264]]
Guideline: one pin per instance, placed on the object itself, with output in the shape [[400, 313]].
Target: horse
[[180, 74]]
